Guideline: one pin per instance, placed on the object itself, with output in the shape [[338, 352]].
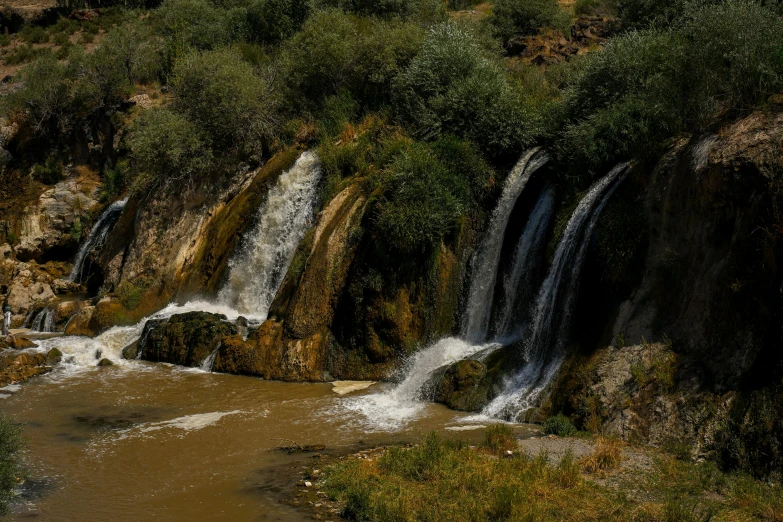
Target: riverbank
[[548, 478]]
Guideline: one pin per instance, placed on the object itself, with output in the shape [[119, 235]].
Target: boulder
[[104, 362], [53, 356], [21, 343], [15, 368], [131, 351], [184, 339], [460, 386], [79, 324]]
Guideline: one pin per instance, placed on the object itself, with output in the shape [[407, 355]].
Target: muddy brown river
[[156, 442]]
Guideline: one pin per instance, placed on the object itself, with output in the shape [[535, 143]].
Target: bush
[[219, 93], [606, 455], [271, 21], [499, 438], [454, 86], [195, 23], [46, 101], [513, 17], [50, 173], [32, 34], [559, 425], [422, 201], [425, 12], [164, 143], [10, 444]]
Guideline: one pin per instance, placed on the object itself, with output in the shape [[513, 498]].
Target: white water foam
[[186, 423], [392, 409]]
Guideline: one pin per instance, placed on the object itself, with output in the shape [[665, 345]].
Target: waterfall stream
[[543, 350], [397, 406], [482, 287], [96, 238], [260, 266], [256, 271]]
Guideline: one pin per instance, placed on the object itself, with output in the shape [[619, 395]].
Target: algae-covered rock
[[184, 339], [104, 362], [460, 386], [53, 356], [131, 351]]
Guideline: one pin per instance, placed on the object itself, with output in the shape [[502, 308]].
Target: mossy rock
[[104, 363], [184, 339], [460, 386], [53, 356], [131, 351]]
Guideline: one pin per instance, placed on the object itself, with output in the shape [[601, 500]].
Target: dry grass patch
[[606, 456]]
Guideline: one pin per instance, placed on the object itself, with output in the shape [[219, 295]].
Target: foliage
[[652, 84], [499, 438], [422, 201], [559, 425], [10, 444], [194, 23], [454, 86], [164, 143], [513, 17], [49, 173], [129, 295], [272, 21], [425, 12], [221, 95], [605, 456]]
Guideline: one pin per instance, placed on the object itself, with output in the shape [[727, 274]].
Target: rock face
[[184, 339], [48, 224], [16, 368], [706, 287], [460, 386]]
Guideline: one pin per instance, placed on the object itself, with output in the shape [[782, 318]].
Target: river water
[[158, 442]]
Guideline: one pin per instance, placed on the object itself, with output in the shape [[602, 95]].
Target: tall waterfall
[[482, 287], [543, 350], [259, 268], [392, 408], [96, 238], [518, 283]]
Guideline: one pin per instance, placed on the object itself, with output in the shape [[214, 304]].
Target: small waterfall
[[543, 350], [209, 361], [518, 283], [258, 270], [44, 320], [96, 238], [482, 287]]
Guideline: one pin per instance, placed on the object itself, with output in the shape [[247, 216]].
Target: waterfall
[[518, 283], [44, 320], [96, 238], [258, 270], [482, 287], [209, 361], [543, 349]]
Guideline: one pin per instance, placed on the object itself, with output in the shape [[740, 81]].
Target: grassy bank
[[595, 479]]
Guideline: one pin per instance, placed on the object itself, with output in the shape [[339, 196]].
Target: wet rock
[[53, 356], [184, 339], [79, 324], [21, 343], [459, 387], [131, 351], [105, 362], [16, 368]]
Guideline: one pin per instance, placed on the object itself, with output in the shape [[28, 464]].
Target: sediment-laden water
[[156, 442]]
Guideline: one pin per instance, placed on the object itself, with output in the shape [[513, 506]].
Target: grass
[[10, 444], [440, 480]]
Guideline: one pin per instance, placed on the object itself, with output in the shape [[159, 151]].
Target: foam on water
[[186, 423]]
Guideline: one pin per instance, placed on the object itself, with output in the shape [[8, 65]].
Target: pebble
[[308, 483]]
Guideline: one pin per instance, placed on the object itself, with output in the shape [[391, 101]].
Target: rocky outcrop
[[460, 386], [184, 339], [30, 286], [79, 323], [552, 47], [19, 367], [50, 228]]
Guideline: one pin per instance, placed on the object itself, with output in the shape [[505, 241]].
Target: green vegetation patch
[[10, 471]]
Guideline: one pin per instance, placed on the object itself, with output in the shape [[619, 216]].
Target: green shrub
[[10, 444], [272, 21], [24, 54], [454, 86], [196, 23], [422, 201], [559, 425], [513, 17], [129, 295], [46, 101], [219, 92], [5, 40], [50, 172], [168, 146], [425, 12], [33, 34]]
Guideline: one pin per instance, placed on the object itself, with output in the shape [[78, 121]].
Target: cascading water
[[518, 283], [268, 250], [391, 409], [96, 238], [258, 271], [482, 287], [209, 361], [543, 350], [43, 321]]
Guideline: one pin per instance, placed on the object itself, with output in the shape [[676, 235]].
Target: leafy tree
[[512, 17], [271, 21], [219, 93], [168, 147]]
